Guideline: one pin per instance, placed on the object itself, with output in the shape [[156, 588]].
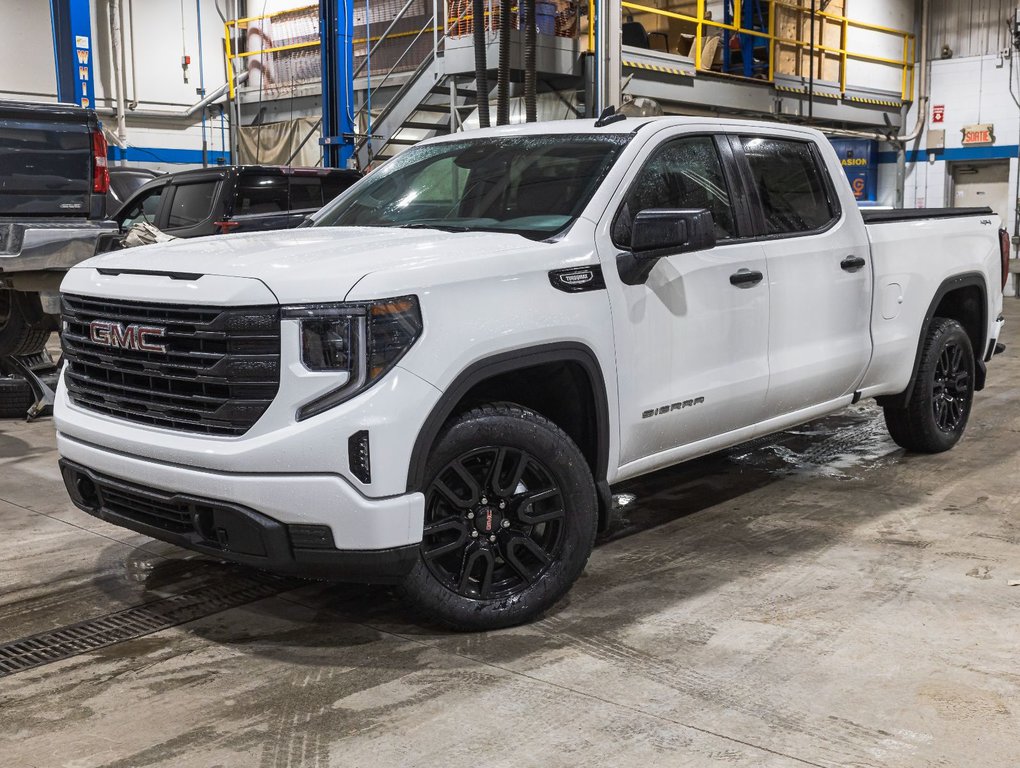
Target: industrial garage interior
[[507, 384]]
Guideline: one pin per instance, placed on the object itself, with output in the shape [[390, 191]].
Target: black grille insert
[[218, 375]]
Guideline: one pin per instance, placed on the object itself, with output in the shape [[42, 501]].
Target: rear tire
[[17, 335], [511, 515], [936, 415]]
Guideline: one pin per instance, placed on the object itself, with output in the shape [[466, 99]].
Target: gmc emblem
[[118, 335]]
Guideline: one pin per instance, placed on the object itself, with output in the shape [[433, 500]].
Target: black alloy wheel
[[952, 388], [493, 522], [510, 517]]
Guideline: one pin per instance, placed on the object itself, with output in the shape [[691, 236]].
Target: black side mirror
[[659, 232]]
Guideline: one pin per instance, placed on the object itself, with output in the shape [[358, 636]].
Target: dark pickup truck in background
[[53, 185], [245, 198]]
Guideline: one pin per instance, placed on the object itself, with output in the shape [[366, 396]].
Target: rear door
[[192, 207], [820, 274]]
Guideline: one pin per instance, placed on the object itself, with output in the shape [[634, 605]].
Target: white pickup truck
[[438, 381]]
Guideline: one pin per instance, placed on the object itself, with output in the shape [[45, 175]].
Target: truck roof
[[629, 125]]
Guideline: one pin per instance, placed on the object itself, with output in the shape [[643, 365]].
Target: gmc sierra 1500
[[437, 383]]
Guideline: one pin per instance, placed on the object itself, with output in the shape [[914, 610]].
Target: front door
[[692, 339]]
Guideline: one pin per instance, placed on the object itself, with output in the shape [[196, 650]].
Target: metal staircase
[[429, 103]]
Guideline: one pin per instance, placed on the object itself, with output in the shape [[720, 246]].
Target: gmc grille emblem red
[[120, 336]]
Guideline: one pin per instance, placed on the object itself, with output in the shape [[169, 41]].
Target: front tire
[[936, 415], [511, 515]]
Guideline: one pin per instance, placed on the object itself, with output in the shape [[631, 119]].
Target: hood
[[315, 264]]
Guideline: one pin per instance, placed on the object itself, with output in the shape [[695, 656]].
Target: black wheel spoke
[[956, 357], [446, 525], [526, 507], [518, 463], [518, 545], [479, 565]]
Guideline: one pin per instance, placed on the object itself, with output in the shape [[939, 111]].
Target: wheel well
[[966, 305], [560, 391]]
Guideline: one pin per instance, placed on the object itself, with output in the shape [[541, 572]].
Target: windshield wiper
[[441, 227]]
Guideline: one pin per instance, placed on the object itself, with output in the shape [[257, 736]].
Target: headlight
[[365, 339]]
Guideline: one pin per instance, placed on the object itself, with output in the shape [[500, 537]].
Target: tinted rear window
[[192, 204], [266, 193], [305, 193], [792, 189], [335, 184]]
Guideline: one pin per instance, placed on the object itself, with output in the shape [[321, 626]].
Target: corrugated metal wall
[[970, 27]]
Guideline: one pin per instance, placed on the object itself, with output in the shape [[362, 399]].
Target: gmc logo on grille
[[135, 336]]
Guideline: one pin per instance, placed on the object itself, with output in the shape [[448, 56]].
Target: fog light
[[358, 455], [86, 491]]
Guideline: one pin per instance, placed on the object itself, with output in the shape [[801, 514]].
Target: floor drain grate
[[118, 627]]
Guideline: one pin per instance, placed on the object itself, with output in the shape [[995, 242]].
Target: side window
[[791, 187], [192, 204], [262, 193], [305, 193], [684, 173], [144, 210]]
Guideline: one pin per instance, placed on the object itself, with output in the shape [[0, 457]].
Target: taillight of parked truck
[[1004, 248], [100, 169]]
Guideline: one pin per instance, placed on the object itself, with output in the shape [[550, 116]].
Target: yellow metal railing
[[701, 22]]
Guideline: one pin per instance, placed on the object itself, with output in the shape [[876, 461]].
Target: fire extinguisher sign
[[938, 113]]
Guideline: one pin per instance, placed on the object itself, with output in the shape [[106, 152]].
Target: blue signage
[[859, 158]]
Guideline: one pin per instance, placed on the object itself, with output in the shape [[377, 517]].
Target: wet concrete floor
[[818, 598]]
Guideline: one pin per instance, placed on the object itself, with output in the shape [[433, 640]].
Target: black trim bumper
[[226, 531]]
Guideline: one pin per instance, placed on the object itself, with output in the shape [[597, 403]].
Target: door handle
[[852, 263], [745, 278]]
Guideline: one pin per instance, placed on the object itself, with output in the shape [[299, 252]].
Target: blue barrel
[[545, 18]]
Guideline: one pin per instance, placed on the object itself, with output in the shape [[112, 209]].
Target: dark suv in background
[[246, 198]]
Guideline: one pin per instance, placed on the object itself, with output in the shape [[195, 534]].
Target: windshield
[[534, 186]]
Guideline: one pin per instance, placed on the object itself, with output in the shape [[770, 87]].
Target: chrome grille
[[220, 371]]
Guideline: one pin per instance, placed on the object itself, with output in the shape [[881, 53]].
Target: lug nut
[[474, 534], [492, 537], [471, 515], [502, 505], [484, 500], [505, 523]]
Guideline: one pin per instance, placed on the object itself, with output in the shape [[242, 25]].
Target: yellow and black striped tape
[[658, 68], [803, 92], [876, 102]]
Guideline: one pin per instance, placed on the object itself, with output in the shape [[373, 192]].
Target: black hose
[[530, 68], [503, 73], [481, 67]]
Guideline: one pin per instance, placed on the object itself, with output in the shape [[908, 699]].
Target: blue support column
[[73, 51], [336, 29]]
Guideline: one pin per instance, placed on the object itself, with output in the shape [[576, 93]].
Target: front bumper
[[262, 516]]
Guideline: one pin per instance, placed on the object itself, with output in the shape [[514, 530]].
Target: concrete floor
[[819, 599]]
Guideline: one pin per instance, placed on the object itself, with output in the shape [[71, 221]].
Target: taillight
[[1004, 248], [100, 170], [226, 226]]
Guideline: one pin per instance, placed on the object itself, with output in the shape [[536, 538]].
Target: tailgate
[[45, 160]]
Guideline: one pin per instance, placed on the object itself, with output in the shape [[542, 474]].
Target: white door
[[820, 276], [692, 346], [976, 185]]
